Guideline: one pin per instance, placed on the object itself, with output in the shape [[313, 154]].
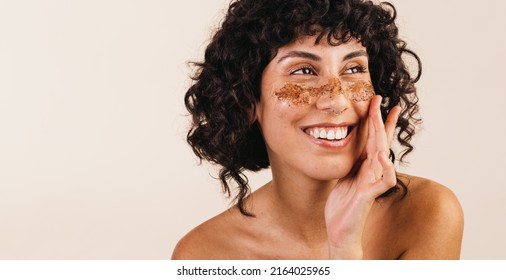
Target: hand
[[350, 202]]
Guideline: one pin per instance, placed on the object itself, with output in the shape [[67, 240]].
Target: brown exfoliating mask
[[356, 91], [360, 91]]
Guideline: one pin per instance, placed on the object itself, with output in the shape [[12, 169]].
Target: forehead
[[310, 44]]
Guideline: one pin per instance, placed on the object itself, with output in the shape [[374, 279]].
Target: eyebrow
[[315, 57], [302, 54], [355, 54]]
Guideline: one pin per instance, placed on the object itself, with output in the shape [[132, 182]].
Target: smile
[[329, 133]]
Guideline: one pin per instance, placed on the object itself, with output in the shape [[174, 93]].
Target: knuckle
[[390, 180]]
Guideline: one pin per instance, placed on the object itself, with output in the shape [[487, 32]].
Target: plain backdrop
[[93, 158]]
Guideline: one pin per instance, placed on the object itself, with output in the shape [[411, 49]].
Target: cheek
[[293, 94], [278, 123], [359, 91], [279, 117], [282, 111], [361, 108], [300, 95], [290, 102]]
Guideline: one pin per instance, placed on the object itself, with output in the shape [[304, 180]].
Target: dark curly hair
[[226, 84]]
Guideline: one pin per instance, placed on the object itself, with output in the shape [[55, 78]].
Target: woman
[[317, 90]]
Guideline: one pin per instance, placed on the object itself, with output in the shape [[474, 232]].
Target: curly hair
[[226, 84]]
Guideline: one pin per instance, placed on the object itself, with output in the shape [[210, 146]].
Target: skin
[[356, 91], [321, 202]]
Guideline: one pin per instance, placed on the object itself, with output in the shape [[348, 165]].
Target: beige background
[[93, 161]]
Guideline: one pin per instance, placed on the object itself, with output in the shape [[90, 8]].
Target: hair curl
[[226, 84]]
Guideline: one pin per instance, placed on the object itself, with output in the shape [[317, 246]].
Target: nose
[[332, 98]]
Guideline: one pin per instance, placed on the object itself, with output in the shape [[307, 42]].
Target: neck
[[298, 205]]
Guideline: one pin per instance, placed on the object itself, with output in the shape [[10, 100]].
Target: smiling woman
[[317, 91]]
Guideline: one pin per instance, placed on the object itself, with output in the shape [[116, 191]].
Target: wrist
[[339, 253]]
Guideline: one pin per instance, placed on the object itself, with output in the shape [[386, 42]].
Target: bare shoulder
[[208, 241], [425, 192], [432, 220]]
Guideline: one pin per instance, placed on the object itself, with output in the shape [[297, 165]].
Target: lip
[[343, 124], [331, 144]]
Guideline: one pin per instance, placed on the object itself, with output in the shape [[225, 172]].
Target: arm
[[350, 202]]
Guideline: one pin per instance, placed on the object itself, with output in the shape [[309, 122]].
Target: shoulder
[[434, 198], [426, 191], [432, 220], [208, 241]]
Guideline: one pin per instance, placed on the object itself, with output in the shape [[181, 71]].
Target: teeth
[[328, 133], [339, 134]]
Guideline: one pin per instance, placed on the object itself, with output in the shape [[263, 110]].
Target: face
[[313, 107]]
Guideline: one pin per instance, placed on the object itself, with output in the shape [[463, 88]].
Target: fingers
[[370, 146], [379, 127], [379, 139], [381, 176], [380, 136], [389, 176], [384, 132]]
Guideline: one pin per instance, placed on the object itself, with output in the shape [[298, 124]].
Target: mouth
[[332, 134]]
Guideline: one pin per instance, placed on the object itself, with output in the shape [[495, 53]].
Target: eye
[[356, 69], [306, 70]]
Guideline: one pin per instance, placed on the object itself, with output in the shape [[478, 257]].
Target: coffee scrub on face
[[360, 91], [296, 94]]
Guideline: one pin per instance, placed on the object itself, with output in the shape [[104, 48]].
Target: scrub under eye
[[297, 94]]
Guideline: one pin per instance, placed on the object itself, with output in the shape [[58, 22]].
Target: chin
[[330, 172]]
